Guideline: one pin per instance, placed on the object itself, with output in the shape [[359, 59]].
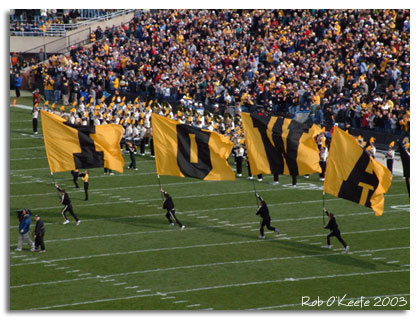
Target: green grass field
[[124, 255]]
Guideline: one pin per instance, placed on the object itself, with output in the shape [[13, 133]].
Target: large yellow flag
[[354, 175], [277, 145], [187, 151], [72, 147]]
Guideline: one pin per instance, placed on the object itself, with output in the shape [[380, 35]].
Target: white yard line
[[244, 224], [206, 227], [198, 196], [121, 188], [206, 265], [223, 286]]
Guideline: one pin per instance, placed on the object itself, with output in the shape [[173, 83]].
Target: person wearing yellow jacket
[[85, 178]]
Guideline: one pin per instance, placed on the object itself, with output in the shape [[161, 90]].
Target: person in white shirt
[[72, 118], [323, 156], [390, 156], [96, 121]]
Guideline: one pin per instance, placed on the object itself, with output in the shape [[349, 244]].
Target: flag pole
[[160, 186], [52, 177], [255, 192]]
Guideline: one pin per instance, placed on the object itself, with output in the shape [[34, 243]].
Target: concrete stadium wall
[[54, 44]]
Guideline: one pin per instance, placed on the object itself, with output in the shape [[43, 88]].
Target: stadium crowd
[[344, 67], [36, 22]]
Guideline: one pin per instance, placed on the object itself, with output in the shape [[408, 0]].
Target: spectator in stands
[[42, 56], [18, 84], [326, 63]]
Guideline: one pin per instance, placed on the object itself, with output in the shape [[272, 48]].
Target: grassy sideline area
[[124, 255]]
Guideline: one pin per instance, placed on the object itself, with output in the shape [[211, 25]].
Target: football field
[[124, 255]]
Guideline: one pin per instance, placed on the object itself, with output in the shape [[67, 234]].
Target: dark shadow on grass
[[229, 231], [340, 258], [159, 223]]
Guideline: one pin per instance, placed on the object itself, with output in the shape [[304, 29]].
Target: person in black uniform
[[39, 234], [65, 200], [132, 149], [265, 218], [238, 152], [168, 204], [35, 114], [294, 180], [335, 232], [85, 178], [75, 174]]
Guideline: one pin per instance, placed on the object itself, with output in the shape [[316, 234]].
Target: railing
[[63, 43], [59, 30], [54, 30]]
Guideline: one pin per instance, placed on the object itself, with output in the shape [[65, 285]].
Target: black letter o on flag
[[203, 166]]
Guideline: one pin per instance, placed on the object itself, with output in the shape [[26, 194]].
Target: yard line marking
[[25, 148], [119, 283], [346, 299], [238, 224], [196, 246], [193, 305], [201, 266], [223, 286], [29, 259], [94, 178], [391, 262], [28, 136], [366, 255], [283, 280], [84, 274], [144, 290], [72, 271], [133, 287], [34, 158], [180, 301], [178, 196], [378, 258], [121, 188], [61, 268], [170, 297], [405, 265], [202, 217]]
